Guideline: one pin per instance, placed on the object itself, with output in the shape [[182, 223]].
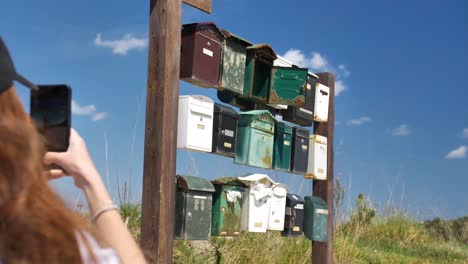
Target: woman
[[35, 225]]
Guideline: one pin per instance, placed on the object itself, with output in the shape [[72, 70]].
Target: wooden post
[[323, 252], [158, 198]]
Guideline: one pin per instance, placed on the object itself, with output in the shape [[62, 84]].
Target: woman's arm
[[110, 227]]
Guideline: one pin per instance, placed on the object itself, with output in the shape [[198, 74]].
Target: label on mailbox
[[200, 126], [258, 224], [296, 229], [287, 143], [208, 52], [305, 147], [305, 110], [227, 145], [299, 206], [228, 133], [321, 211]]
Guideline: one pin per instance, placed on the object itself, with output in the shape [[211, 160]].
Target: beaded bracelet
[[107, 208]]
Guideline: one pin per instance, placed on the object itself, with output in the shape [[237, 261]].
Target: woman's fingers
[[55, 174], [53, 158]]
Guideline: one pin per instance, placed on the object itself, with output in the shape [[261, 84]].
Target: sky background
[[402, 116]]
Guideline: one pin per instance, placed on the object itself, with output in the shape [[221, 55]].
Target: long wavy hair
[[35, 225]]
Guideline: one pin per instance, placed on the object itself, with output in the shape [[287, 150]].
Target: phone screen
[[51, 111]]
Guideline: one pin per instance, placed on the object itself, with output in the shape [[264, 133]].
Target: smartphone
[[51, 112]]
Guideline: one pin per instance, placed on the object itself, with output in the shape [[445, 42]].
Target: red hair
[[35, 225]]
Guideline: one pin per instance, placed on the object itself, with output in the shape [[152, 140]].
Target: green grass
[[393, 239]]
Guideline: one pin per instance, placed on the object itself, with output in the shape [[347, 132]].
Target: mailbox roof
[[295, 197], [229, 35], [228, 181], [224, 109], [191, 183], [315, 200], [264, 48], [258, 112], [257, 178], [193, 27]]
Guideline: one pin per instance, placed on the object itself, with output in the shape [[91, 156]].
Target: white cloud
[[318, 62], [82, 110], [402, 130], [122, 46], [465, 133], [458, 153], [359, 121], [88, 110], [99, 116]]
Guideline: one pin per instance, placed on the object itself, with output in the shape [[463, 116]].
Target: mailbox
[[282, 146], [322, 97], [258, 72], [315, 219], [287, 86], [195, 124], [233, 99], [227, 207], [303, 115], [234, 53], [201, 54], [317, 168], [254, 142], [300, 150], [277, 207], [294, 216], [193, 208], [280, 61], [224, 130], [256, 205]]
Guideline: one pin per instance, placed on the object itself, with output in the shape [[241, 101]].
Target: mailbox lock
[[208, 44]]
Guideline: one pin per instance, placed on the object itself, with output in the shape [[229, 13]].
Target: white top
[[102, 255]]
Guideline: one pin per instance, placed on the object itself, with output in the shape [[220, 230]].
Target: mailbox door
[[207, 58], [320, 161], [227, 136], [260, 152], [320, 229], [200, 128], [231, 212], [309, 99], [287, 86], [322, 93], [233, 67], [300, 153], [258, 214], [277, 209], [179, 228], [282, 148], [198, 216]]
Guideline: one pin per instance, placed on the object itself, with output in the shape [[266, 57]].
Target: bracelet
[[108, 208]]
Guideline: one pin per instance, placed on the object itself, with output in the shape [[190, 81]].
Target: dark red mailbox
[[201, 54]]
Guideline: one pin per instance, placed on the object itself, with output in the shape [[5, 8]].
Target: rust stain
[[267, 159]]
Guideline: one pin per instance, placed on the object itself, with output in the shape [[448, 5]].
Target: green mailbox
[[254, 143], [282, 146], [227, 207], [258, 72], [315, 219], [193, 208], [234, 53], [288, 85]]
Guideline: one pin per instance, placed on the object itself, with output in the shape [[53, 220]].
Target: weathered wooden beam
[[203, 5], [158, 198], [323, 252]]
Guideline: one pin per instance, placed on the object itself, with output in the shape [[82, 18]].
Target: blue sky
[[402, 115]]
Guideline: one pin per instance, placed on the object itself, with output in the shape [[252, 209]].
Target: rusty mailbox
[[201, 54], [193, 208], [287, 86], [224, 130], [300, 150], [317, 168], [227, 206], [258, 67], [234, 53], [254, 143], [303, 115]]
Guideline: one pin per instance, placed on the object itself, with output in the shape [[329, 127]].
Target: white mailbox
[[195, 125], [322, 98], [256, 205], [317, 167], [277, 207]]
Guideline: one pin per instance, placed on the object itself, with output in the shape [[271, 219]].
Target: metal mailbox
[[201, 54], [277, 207], [287, 86], [254, 142], [300, 150], [227, 207], [193, 208], [258, 72], [294, 216], [234, 53], [303, 115], [282, 146], [322, 98], [224, 130], [256, 205], [195, 123], [317, 168], [315, 219]]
